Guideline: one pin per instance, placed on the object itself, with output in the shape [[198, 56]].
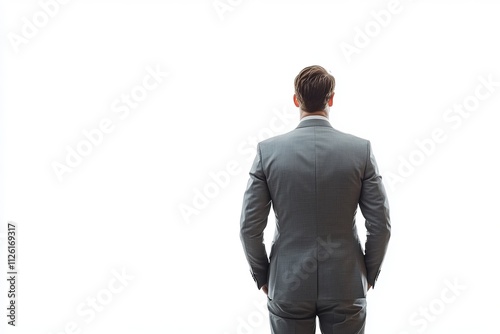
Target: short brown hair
[[313, 87]]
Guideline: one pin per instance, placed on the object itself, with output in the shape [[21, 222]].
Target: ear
[[296, 101], [330, 100]]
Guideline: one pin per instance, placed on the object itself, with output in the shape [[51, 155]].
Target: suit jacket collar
[[314, 122]]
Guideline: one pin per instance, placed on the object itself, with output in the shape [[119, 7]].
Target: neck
[[303, 113]]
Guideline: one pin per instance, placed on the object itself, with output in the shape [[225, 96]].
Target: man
[[315, 177]]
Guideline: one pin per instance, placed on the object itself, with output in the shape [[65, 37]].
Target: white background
[[229, 75]]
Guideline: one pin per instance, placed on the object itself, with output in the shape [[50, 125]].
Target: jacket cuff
[[374, 280], [260, 280]]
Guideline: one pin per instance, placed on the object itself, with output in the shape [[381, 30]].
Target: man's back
[[314, 176]]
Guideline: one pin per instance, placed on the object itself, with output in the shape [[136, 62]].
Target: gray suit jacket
[[315, 177]]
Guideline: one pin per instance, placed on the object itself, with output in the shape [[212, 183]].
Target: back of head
[[313, 87]]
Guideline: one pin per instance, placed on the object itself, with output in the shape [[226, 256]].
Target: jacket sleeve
[[256, 206], [375, 209]]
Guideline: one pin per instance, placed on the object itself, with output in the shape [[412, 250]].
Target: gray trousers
[[335, 316]]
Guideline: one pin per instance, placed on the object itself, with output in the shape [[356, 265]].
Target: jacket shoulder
[[329, 133], [351, 138]]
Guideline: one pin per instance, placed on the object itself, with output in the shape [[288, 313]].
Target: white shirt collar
[[315, 117]]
